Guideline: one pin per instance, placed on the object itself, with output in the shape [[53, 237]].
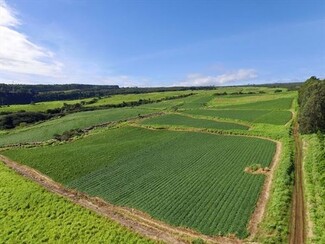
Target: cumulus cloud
[[20, 55], [230, 77]]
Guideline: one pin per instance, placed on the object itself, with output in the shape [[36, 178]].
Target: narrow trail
[[297, 226]]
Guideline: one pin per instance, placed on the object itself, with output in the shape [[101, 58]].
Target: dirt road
[[297, 228]]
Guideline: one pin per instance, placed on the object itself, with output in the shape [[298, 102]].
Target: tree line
[[311, 100], [26, 94]]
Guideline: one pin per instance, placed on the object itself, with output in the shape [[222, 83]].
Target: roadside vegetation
[[314, 168], [312, 126]]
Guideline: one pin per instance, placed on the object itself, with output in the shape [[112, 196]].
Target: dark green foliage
[[25, 94], [12, 120], [68, 134], [312, 106]]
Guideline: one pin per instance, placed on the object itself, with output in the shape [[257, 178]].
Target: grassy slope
[[30, 214], [41, 106], [117, 99], [120, 166], [314, 165], [184, 121], [275, 104], [46, 130], [232, 100], [255, 116], [200, 99]]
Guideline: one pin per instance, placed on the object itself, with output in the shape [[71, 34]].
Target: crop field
[[246, 99], [30, 214], [46, 130], [199, 100], [39, 107], [117, 99], [173, 176], [180, 120], [276, 104], [255, 116]]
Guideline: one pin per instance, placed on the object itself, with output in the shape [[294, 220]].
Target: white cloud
[[18, 54], [125, 81], [230, 77]]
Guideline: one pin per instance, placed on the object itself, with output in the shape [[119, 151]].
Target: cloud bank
[[18, 54], [230, 77]]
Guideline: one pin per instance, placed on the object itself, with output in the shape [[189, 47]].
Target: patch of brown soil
[[133, 219], [260, 171]]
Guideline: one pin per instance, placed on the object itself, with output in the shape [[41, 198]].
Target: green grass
[[314, 165], [198, 100], [255, 116], [46, 130], [246, 99], [30, 214], [117, 99], [276, 104], [187, 179], [39, 107], [184, 121]]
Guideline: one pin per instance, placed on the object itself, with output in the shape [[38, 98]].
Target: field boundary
[[133, 219], [258, 214]]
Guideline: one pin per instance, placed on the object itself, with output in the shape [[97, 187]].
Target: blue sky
[[161, 43]]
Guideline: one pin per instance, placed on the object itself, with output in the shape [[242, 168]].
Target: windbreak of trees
[[311, 100], [25, 94]]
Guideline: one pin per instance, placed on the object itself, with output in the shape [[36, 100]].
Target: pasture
[[187, 179]]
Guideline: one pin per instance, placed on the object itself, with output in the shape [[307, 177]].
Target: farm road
[[297, 228]]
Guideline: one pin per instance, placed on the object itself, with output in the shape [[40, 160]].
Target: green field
[[46, 130], [246, 99], [276, 104], [199, 100], [39, 107], [184, 121], [30, 214], [117, 99], [187, 179], [256, 116]]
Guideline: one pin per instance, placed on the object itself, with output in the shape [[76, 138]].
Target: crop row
[[28, 213], [256, 116], [186, 179]]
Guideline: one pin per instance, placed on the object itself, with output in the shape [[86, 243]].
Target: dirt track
[[297, 226]]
